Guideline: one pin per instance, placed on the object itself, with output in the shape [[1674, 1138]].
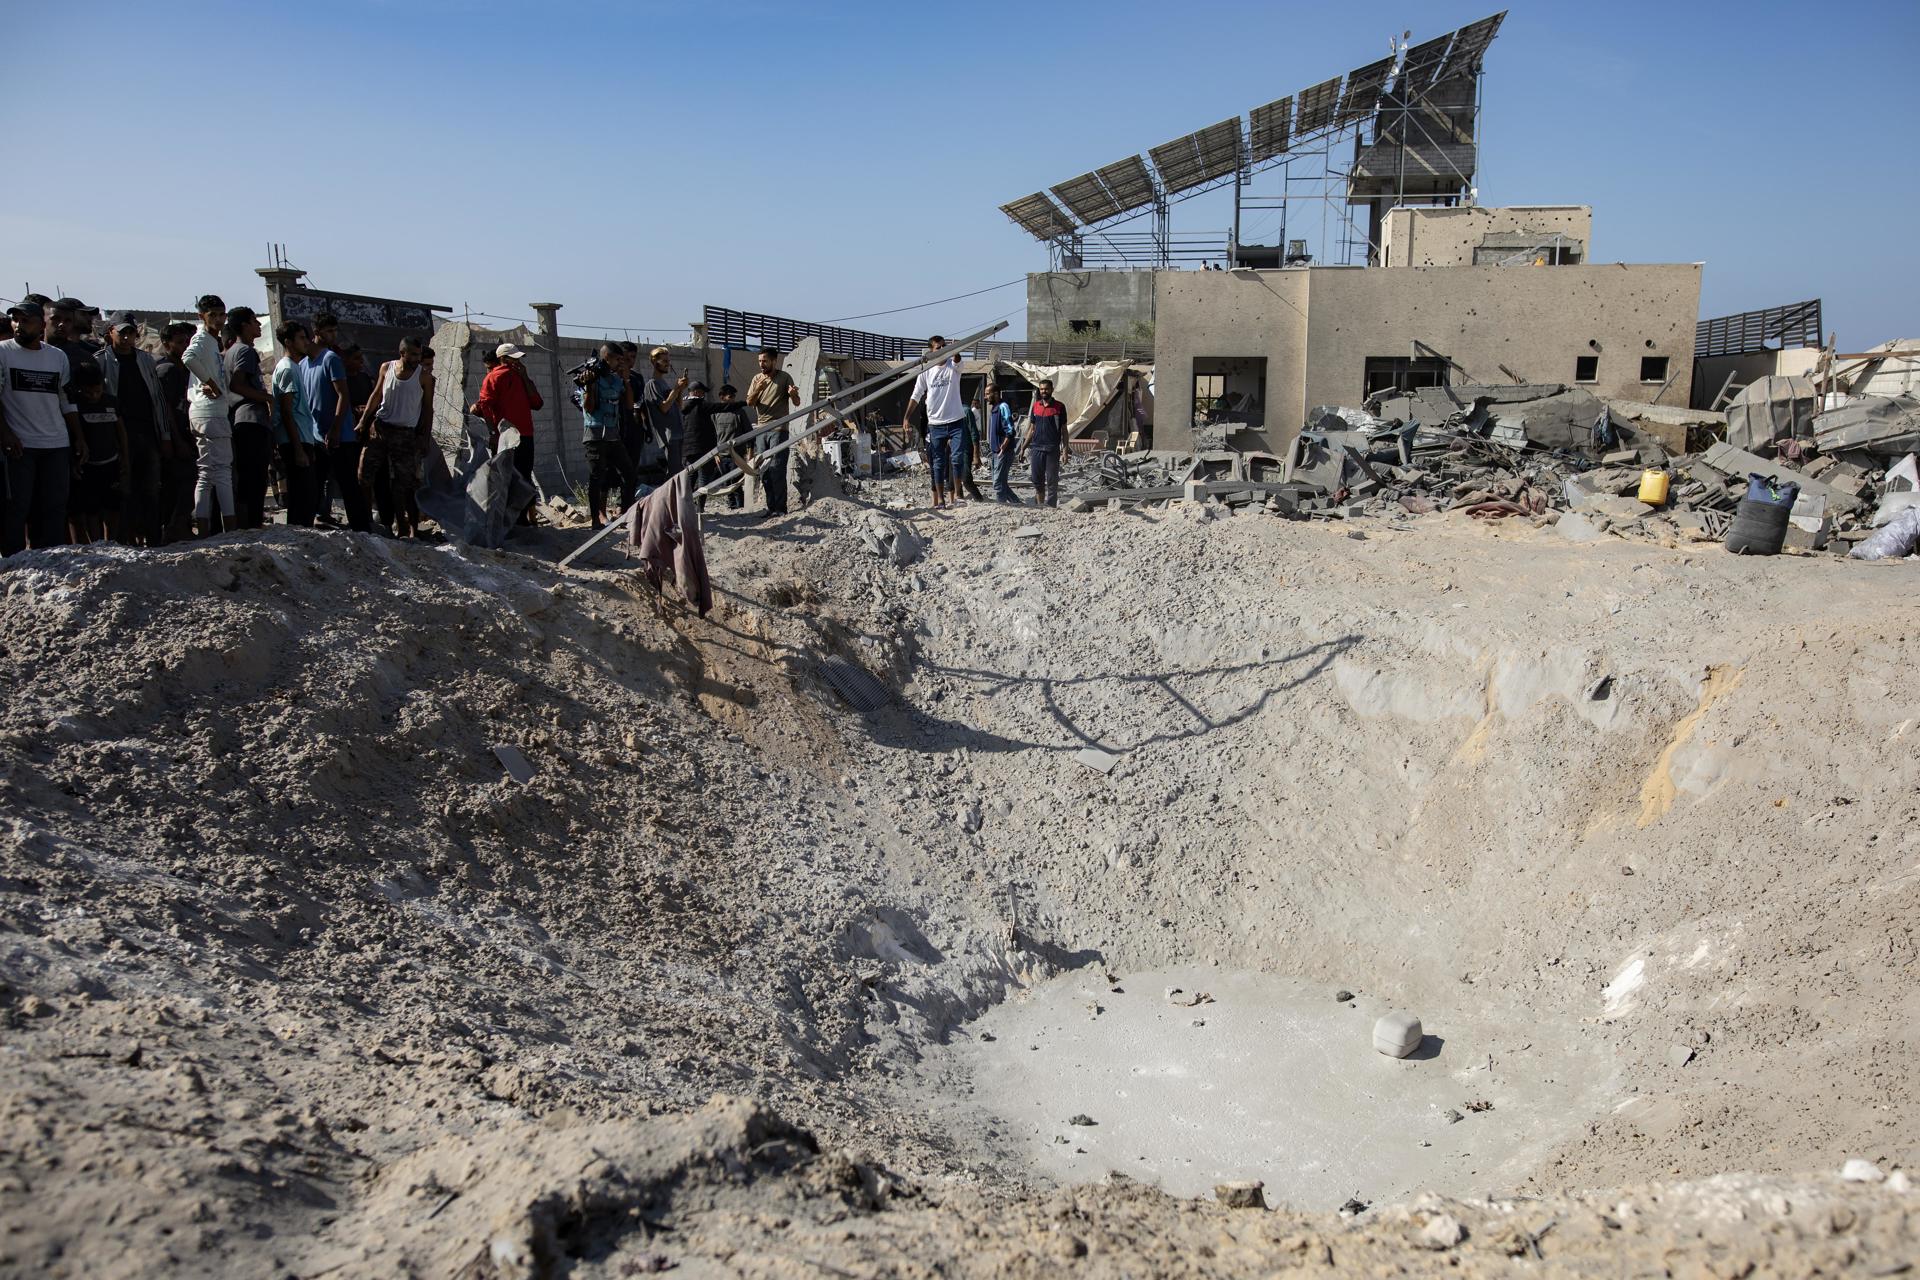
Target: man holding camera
[[604, 395]]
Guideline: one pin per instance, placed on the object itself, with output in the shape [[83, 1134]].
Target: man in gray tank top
[[393, 427]]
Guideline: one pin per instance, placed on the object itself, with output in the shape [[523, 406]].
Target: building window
[[1206, 389], [1653, 368], [1084, 326], [1586, 368], [1399, 373]]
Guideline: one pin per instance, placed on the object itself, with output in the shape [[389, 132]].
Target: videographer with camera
[[603, 395]]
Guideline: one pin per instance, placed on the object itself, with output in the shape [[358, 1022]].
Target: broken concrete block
[[1440, 1231], [1861, 1171], [1096, 759], [1621, 458], [1678, 1056], [1027, 531], [1193, 490], [517, 766], [1241, 1195], [1397, 1034]]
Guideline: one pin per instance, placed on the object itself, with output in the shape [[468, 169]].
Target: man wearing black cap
[[70, 328], [134, 383], [39, 434]]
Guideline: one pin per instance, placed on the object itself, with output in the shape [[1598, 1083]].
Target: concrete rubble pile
[[1547, 452]]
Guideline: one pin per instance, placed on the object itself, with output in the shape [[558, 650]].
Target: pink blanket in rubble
[[666, 532]]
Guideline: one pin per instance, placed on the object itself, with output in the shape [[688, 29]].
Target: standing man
[[604, 394], [94, 507], [250, 410], [390, 463], [39, 432], [207, 417], [177, 466], [134, 383], [507, 394], [1046, 437], [295, 434], [769, 395], [660, 398], [938, 388], [325, 376], [1000, 442]]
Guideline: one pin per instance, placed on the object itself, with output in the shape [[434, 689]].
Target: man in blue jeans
[[938, 388], [1001, 439]]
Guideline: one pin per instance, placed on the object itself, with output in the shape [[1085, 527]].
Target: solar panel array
[[1269, 130], [1199, 159]]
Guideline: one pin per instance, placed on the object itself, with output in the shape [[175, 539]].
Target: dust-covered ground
[[297, 981]]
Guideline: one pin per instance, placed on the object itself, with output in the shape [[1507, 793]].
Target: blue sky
[[636, 160]]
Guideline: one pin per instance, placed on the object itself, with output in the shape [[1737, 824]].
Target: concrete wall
[[1213, 315], [1317, 327], [560, 453], [1421, 237], [1122, 301]]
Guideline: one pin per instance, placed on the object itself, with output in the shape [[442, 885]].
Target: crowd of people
[[103, 438]]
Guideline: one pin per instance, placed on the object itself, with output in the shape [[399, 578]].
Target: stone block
[[1397, 1034]]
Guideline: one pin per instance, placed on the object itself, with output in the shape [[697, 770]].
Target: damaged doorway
[[1230, 390]]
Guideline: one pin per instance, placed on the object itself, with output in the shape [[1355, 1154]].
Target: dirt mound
[[286, 947]]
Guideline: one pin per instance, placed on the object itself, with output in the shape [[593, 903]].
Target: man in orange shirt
[[508, 395]]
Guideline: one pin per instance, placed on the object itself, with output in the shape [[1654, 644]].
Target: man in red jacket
[[508, 395]]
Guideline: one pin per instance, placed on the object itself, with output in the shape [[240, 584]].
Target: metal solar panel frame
[[1129, 183], [1363, 91], [1270, 130], [1038, 217], [1417, 72], [1470, 47], [1085, 198], [1316, 107]]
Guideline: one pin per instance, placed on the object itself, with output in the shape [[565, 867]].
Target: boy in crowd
[[100, 488], [325, 376], [295, 433]]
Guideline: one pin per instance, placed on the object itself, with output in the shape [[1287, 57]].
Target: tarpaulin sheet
[[1086, 389], [1771, 409]]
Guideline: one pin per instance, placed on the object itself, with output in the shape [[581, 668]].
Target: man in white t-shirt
[[938, 388], [39, 433]]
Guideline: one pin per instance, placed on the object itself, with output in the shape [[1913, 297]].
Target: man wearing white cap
[[507, 395]]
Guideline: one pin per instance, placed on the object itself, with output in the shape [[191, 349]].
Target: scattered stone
[[1452, 1115], [1678, 1056], [1353, 1208], [1899, 1181], [1084, 1121], [1193, 1001], [1241, 1195], [1861, 1171], [1479, 1106], [1397, 1034], [1342, 996], [1440, 1231], [1060, 1140]]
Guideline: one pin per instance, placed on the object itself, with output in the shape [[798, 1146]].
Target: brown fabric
[[767, 393], [666, 531]]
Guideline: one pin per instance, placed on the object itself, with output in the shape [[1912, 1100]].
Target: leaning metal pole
[[876, 387]]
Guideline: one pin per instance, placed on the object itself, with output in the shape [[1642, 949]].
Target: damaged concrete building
[[1414, 283]]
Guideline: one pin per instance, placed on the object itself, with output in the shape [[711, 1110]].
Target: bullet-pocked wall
[[1096, 305], [1621, 331]]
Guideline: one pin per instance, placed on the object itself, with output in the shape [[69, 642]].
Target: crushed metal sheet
[[516, 764], [862, 692]]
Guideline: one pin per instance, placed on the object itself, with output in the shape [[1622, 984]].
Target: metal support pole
[[878, 386]]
